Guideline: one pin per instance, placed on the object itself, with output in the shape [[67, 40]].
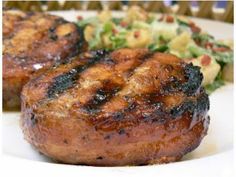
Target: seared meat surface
[[32, 42], [127, 107]]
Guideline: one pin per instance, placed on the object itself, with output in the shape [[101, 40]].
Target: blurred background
[[216, 10]]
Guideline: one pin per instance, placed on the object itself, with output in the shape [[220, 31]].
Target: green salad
[[163, 33]]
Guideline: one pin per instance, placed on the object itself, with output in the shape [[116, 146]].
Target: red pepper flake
[[195, 29], [123, 24], [114, 31], [205, 60], [169, 19], [208, 45], [136, 34], [191, 24], [220, 49], [79, 17], [161, 18]]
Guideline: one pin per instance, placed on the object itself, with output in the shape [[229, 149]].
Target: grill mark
[[81, 41], [33, 119], [114, 89], [160, 114], [118, 116], [171, 86], [199, 105], [121, 131], [183, 107], [58, 22], [157, 114], [67, 80], [63, 82], [51, 33], [109, 88], [143, 59], [153, 102], [194, 79], [102, 95], [188, 85], [131, 105], [129, 116], [92, 107]]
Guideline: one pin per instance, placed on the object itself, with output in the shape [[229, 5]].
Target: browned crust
[[32, 42], [128, 107]]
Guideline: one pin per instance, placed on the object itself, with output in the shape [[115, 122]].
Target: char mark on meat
[[67, 80]]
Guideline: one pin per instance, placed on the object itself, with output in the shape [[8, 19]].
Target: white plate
[[213, 157]]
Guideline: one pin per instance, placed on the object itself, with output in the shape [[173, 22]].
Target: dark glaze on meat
[[34, 42], [127, 107]]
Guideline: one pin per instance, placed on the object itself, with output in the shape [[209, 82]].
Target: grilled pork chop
[[127, 107], [33, 42]]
